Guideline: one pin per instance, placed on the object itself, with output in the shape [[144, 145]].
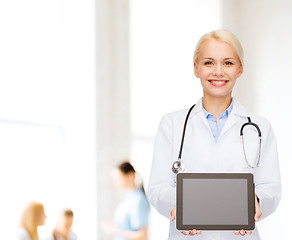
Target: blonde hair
[[223, 36], [31, 218]]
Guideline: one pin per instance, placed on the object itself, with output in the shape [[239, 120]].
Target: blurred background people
[[63, 229], [32, 217], [130, 220]]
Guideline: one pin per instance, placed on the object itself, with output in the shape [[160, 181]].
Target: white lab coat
[[202, 154]]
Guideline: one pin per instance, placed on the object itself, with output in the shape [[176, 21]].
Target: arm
[[267, 177], [141, 234], [161, 189], [137, 219]]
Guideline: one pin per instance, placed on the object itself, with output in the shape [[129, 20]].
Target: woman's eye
[[228, 63], [208, 63]]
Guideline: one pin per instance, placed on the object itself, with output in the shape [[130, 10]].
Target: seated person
[[63, 229]]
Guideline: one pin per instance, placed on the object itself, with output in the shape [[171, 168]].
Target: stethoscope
[[178, 165]]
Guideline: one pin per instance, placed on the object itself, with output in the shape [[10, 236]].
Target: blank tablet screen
[[215, 201], [200, 207]]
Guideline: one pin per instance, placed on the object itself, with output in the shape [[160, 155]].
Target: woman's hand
[[242, 232], [173, 213], [191, 232], [109, 227], [258, 214]]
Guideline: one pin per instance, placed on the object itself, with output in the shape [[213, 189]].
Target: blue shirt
[[216, 128], [132, 212]]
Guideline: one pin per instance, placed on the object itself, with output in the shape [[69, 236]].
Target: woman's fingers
[[258, 212], [173, 214], [195, 232], [192, 232], [242, 232]]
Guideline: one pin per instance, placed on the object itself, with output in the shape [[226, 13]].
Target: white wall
[[64, 109], [47, 112], [112, 102], [79, 184]]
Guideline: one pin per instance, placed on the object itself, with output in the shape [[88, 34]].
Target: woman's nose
[[218, 71]]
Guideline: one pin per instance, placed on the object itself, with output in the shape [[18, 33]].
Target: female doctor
[[212, 140]]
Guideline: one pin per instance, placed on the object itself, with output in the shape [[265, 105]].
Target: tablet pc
[[215, 201]]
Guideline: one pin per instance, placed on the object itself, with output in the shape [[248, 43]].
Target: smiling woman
[[213, 143], [218, 62]]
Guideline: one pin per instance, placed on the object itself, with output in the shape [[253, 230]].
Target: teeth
[[218, 82]]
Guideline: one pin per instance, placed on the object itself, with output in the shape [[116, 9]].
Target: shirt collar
[[236, 108]]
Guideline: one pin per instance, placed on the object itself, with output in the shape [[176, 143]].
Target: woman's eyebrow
[[223, 58], [213, 58]]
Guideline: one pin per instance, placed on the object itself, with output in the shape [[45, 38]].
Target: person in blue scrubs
[[132, 213]]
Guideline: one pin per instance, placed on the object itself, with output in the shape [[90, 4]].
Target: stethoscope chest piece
[[178, 167]]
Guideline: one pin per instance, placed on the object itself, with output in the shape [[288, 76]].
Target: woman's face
[[218, 67], [120, 179], [42, 218], [66, 223]]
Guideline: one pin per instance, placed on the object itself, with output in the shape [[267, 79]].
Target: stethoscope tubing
[[178, 165], [184, 131]]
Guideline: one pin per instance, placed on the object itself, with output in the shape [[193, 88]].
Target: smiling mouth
[[218, 83]]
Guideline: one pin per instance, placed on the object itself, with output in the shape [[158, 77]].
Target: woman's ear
[[196, 71], [240, 72]]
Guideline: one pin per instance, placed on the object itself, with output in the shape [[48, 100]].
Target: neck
[[62, 231], [216, 105], [132, 186]]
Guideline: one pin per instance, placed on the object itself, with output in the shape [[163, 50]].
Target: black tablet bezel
[[250, 192]]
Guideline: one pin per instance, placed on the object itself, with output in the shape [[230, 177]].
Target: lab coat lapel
[[238, 110], [231, 120], [198, 110]]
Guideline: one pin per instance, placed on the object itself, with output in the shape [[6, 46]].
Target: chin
[[219, 92], [218, 95]]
